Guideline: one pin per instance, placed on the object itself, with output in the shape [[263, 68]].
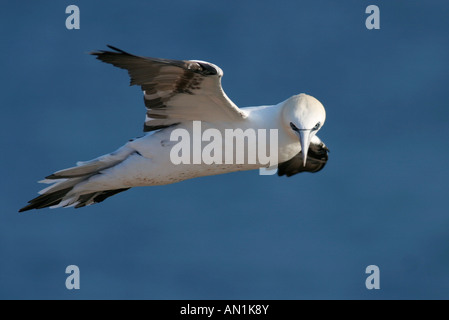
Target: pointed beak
[[304, 140]]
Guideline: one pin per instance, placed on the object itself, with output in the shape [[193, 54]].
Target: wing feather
[[176, 90]]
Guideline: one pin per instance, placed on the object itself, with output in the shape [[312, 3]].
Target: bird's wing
[[317, 157], [176, 90]]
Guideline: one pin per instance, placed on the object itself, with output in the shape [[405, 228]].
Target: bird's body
[[146, 160], [187, 96]]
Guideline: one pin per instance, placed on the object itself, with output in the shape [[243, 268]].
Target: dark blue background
[[382, 198]]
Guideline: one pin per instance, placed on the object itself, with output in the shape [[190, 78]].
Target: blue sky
[[381, 200]]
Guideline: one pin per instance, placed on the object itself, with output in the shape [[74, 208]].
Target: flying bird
[[178, 93]]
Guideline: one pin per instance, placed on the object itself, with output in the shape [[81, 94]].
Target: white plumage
[[177, 93]]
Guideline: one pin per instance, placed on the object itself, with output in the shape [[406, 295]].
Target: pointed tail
[[62, 191]]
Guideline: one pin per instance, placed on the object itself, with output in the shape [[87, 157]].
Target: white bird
[[177, 93]]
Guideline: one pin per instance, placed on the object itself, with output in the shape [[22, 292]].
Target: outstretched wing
[[176, 90], [317, 157]]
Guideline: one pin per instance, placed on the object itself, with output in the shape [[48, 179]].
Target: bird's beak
[[304, 140]]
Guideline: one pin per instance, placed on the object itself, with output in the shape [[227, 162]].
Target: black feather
[[316, 160]]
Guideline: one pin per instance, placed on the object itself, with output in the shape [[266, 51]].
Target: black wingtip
[[116, 51]]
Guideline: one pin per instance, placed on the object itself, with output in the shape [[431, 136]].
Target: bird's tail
[[66, 188]]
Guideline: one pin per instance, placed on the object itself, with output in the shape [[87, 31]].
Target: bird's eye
[[292, 125], [317, 126]]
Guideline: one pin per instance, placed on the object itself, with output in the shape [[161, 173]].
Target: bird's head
[[303, 116]]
